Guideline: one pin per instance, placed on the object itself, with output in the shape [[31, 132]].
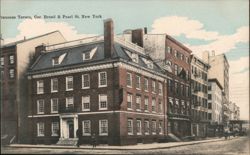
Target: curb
[[101, 148]]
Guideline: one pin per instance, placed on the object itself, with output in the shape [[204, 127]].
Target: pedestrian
[[225, 134], [78, 134], [93, 140]]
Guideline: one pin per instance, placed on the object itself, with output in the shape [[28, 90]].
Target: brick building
[[108, 87], [199, 86], [15, 59]]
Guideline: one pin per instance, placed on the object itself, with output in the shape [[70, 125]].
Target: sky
[[219, 25]]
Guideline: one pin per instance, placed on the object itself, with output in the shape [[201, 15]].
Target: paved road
[[233, 146]]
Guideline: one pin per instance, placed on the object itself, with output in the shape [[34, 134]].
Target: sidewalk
[[127, 147]]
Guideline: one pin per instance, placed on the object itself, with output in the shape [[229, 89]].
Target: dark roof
[[24, 40], [74, 57], [216, 81]]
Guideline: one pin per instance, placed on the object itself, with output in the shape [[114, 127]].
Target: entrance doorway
[[71, 129]]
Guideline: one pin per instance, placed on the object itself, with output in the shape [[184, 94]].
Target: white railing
[[74, 43], [129, 44]]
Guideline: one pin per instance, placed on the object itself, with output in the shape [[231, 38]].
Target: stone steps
[[67, 142]]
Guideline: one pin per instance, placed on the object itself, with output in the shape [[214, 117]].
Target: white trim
[[38, 125], [138, 133], [99, 112], [139, 82], [99, 80], [131, 80], [142, 71], [130, 133]]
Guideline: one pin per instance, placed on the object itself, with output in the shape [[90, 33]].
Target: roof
[[74, 57], [24, 40], [216, 81]]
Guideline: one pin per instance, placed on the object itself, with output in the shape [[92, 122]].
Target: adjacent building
[[15, 59], [108, 87], [234, 111], [199, 86]]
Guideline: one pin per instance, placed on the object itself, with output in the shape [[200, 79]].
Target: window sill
[[40, 135], [54, 135], [54, 91], [129, 109], [103, 109], [103, 134], [101, 86], [40, 113], [129, 86], [54, 112], [85, 109], [69, 89], [40, 93], [130, 134], [86, 134], [85, 87]]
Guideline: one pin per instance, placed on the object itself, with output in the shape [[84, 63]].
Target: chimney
[[205, 56], [108, 38], [137, 37], [145, 30], [38, 50]]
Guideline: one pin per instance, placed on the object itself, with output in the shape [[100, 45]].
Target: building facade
[[108, 87], [219, 64], [199, 85], [234, 111], [15, 59]]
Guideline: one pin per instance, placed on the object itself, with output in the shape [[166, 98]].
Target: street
[[233, 146]]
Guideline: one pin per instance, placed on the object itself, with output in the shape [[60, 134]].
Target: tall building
[[220, 70], [199, 85], [234, 111], [15, 59], [107, 87]]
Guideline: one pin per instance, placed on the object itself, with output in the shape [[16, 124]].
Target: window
[[55, 129], [85, 103], [12, 74], [129, 79], [85, 81], [176, 53], [153, 127], [130, 127], [129, 101], [138, 103], [135, 57], [146, 127], [86, 128], [54, 105], [209, 96], [55, 61], [2, 61], [169, 49], [160, 127], [40, 106], [182, 56], [103, 105], [175, 69], [187, 59], [146, 104], [40, 129], [86, 56], [145, 84], [209, 105], [160, 107], [69, 83], [153, 86], [69, 102], [138, 127], [138, 82], [160, 89], [103, 127], [54, 85], [102, 79], [12, 59], [153, 105]]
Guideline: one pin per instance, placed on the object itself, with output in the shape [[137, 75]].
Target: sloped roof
[[74, 57]]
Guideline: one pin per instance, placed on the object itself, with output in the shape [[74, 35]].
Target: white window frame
[[138, 132], [52, 85], [52, 104], [153, 86], [11, 58], [138, 83], [52, 128], [154, 127], [135, 57], [154, 105], [67, 83], [99, 80], [84, 133], [12, 73], [85, 99], [160, 88], [138, 98], [100, 130], [105, 96], [38, 106], [130, 97], [67, 101], [84, 56], [131, 121], [83, 81], [130, 78], [146, 125], [2, 61], [160, 106], [38, 83], [54, 63], [146, 103], [39, 134], [146, 84], [160, 127]]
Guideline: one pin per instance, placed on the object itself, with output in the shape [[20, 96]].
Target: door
[[71, 129]]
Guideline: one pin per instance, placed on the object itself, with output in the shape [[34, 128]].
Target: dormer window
[[88, 55], [135, 57], [149, 63], [58, 59]]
